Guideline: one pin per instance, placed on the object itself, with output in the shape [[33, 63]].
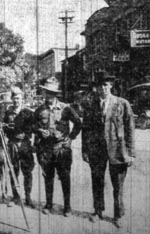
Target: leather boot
[[28, 202]]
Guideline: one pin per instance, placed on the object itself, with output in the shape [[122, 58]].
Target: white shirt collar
[[17, 110], [105, 99], [55, 105]]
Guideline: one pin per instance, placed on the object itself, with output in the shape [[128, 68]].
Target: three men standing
[[53, 142], [108, 135], [18, 130]]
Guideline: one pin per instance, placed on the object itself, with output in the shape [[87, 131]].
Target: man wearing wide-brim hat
[[51, 85], [108, 136], [53, 142]]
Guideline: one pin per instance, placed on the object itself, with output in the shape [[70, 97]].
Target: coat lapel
[[112, 102]]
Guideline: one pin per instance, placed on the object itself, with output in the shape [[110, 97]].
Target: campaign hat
[[51, 85]]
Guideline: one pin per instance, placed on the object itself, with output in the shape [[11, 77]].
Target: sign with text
[[140, 38], [121, 56]]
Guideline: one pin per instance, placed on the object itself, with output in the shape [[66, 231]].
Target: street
[[136, 197]]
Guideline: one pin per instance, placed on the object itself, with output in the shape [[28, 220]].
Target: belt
[[58, 145], [20, 136], [60, 139]]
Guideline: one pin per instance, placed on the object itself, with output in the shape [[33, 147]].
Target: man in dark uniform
[[53, 141], [108, 135], [18, 131]]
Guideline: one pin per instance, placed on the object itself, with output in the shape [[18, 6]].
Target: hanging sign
[[140, 38], [121, 56]]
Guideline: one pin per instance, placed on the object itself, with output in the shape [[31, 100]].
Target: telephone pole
[[66, 19]]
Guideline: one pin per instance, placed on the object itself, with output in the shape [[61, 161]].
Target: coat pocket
[[118, 153]]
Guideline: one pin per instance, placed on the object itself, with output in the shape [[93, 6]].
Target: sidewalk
[[137, 200]]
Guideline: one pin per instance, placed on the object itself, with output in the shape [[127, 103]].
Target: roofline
[[45, 54], [52, 50], [83, 49], [99, 10], [140, 85]]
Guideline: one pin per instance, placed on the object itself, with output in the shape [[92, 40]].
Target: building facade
[[110, 34], [75, 74]]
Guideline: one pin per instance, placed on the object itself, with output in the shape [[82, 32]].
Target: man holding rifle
[[18, 122]]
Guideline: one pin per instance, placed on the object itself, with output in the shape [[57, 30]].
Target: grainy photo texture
[[74, 116]]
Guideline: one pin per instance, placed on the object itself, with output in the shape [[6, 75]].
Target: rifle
[[10, 166]]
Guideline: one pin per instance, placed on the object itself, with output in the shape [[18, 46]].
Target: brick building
[[108, 35], [49, 63]]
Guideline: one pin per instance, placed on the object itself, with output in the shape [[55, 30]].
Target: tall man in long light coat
[[108, 135]]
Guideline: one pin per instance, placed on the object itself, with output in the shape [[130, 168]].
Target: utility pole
[[66, 19]]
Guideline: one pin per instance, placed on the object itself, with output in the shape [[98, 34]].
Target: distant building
[[77, 78], [48, 63]]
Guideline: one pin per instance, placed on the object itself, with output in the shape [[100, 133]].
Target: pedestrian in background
[[88, 96], [18, 131], [53, 142], [108, 135]]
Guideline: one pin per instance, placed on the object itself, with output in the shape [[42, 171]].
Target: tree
[[7, 78], [13, 67], [10, 46]]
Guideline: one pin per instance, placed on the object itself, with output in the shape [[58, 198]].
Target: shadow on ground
[[58, 210]]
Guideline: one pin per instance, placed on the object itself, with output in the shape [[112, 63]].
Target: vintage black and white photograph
[[75, 116]]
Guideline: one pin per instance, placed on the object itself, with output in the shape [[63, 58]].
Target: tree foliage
[[13, 66], [7, 78], [10, 46], [28, 71]]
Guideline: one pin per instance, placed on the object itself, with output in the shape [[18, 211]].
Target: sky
[[37, 21]]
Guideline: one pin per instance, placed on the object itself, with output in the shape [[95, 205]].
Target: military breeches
[[22, 158], [62, 163]]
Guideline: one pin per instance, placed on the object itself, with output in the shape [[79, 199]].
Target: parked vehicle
[[139, 97]]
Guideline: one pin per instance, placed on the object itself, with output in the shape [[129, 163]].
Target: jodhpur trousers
[[62, 163], [22, 158]]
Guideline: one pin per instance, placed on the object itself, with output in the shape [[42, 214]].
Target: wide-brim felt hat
[[103, 77], [51, 85]]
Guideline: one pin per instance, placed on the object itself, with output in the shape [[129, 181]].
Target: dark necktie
[[103, 111], [103, 107]]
